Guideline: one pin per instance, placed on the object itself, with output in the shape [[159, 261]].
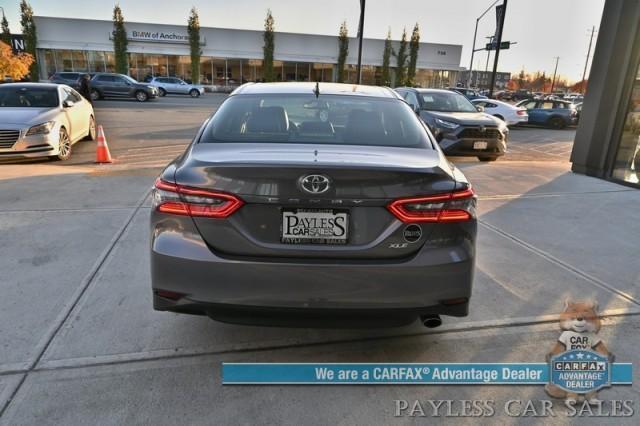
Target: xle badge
[[412, 233]]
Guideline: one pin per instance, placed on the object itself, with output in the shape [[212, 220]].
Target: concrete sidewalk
[[80, 344]]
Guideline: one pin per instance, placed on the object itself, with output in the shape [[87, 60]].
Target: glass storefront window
[[80, 63], [322, 72], [627, 163], [252, 70]]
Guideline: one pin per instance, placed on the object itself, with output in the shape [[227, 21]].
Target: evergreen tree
[[414, 46], [386, 59], [120, 41], [6, 33], [30, 36], [343, 50], [401, 57], [268, 48], [193, 28]]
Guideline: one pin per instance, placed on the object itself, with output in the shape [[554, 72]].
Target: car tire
[[64, 146], [162, 92], [194, 93], [499, 117], [91, 134], [487, 159], [95, 95], [141, 96], [557, 123]]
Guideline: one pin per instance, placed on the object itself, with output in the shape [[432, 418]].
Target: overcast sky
[[543, 29]]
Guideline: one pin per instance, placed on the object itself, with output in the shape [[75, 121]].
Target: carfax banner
[[577, 374]]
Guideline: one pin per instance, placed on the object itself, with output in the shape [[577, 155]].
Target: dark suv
[[69, 78], [108, 85], [459, 127]]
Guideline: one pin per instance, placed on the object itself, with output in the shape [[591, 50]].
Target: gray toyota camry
[[309, 204]]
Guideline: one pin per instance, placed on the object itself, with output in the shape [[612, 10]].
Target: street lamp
[[473, 48], [360, 35]]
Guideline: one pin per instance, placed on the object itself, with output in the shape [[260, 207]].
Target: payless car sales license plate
[[314, 226], [480, 145]]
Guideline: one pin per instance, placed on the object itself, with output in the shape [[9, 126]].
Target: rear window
[[328, 119], [28, 97]]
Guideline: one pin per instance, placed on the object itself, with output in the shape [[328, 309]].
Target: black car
[[110, 85], [459, 127], [69, 78]]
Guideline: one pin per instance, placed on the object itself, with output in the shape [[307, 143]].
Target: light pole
[[360, 35], [475, 33], [584, 73], [553, 82], [498, 46]]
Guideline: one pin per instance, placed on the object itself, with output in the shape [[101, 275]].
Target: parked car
[[504, 95], [578, 107], [362, 188], [521, 94], [502, 110], [176, 86], [468, 93], [71, 79], [555, 113], [111, 85], [43, 120], [460, 127]]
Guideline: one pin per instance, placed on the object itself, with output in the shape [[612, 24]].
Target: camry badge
[[315, 184]]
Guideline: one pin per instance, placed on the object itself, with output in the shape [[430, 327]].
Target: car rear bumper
[[207, 283], [465, 147]]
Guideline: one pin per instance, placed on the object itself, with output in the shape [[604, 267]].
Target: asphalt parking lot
[[80, 343]]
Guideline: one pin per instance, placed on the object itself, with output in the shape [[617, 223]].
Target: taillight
[[458, 206], [183, 200], [522, 112]]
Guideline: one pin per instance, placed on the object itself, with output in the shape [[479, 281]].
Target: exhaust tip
[[431, 321]]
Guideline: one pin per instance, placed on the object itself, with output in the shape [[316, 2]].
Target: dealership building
[[229, 56]]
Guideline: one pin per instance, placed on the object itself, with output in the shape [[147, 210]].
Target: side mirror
[[183, 83], [480, 108], [416, 109], [68, 104]]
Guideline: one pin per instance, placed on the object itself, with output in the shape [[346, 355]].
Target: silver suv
[[173, 85]]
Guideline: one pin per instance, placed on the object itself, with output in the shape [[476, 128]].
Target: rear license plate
[[480, 145], [314, 226]]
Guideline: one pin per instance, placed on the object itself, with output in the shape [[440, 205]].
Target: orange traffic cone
[[102, 150]]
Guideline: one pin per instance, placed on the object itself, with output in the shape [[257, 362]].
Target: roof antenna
[[317, 89]]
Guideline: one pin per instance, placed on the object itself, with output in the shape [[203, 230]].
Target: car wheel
[[64, 145], [95, 95], [499, 116], [557, 123], [487, 158], [141, 96], [91, 134], [194, 93], [162, 92]]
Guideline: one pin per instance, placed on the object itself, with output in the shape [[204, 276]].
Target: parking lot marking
[[589, 278], [178, 353], [44, 343]]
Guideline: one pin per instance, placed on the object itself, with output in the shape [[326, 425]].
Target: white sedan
[[506, 112], [43, 120]]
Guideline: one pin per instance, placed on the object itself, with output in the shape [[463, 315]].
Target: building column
[[611, 79]]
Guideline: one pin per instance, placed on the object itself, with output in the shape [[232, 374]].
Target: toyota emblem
[[315, 184]]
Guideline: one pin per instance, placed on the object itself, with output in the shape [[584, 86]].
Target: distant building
[[229, 56], [482, 79]]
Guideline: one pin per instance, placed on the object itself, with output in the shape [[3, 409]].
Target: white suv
[[173, 85]]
